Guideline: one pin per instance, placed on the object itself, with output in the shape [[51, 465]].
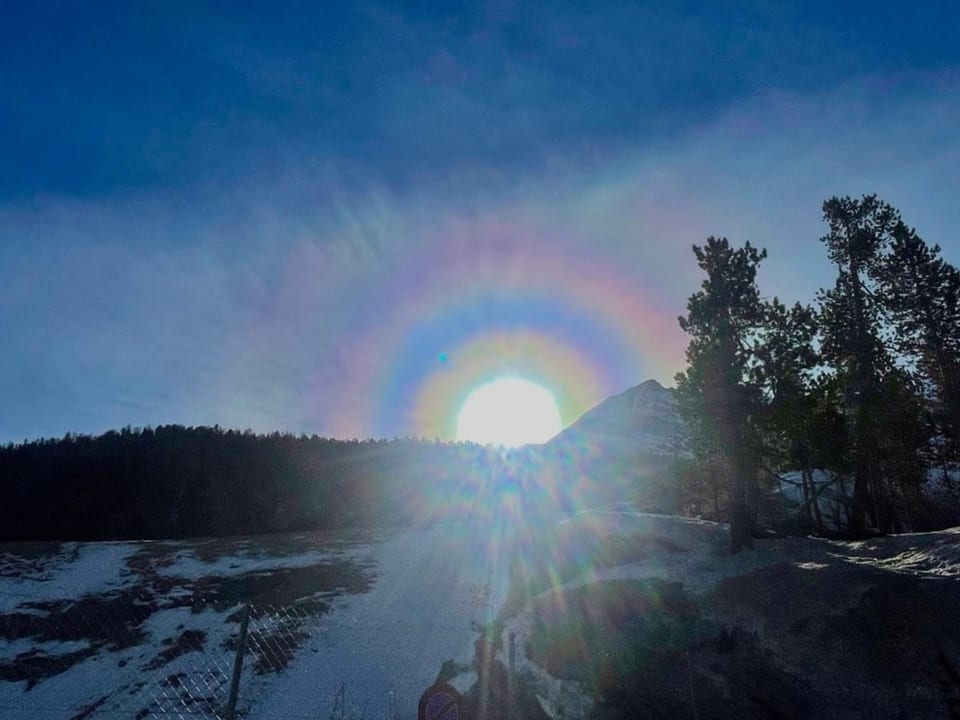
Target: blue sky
[[204, 206]]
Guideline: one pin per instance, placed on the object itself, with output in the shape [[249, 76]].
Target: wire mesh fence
[[120, 657], [112, 657]]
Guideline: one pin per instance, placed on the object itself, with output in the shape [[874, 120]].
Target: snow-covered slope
[[357, 624], [352, 626]]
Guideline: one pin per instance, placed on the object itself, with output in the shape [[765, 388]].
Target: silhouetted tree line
[[864, 383], [174, 481]]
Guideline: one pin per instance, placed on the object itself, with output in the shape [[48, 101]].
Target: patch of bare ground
[[90, 708], [644, 649], [115, 620], [273, 644], [14, 555], [282, 587], [32, 559], [34, 666], [276, 544], [186, 642]]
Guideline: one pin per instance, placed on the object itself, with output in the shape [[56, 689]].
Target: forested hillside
[[175, 481]]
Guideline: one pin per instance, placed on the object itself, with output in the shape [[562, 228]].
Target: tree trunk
[[741, 532], [882, 507], [862, 396], [808, 497], [753, 500], [858, 510], [815, 494], [715, 486], [741, 527]]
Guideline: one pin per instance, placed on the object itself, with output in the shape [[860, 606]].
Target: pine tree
[[716, 395], [903, 456], [785, 371], [853, 342], [922, 292]]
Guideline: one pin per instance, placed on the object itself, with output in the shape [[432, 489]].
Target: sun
[[509, 411]]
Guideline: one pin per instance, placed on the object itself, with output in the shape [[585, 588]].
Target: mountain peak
[[651, 383], [644, 415]]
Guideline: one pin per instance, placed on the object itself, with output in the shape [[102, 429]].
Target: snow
[[187, 563], [130, 679], [382, 649], [373, 653], [76, 570], [12, 648], [378, 650], [934, 554]]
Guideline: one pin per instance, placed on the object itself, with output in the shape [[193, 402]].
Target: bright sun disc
[[509, 412]]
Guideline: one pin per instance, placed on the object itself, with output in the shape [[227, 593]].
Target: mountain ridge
[[641, 419]]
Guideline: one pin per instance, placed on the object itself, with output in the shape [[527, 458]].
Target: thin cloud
[[246, 307]]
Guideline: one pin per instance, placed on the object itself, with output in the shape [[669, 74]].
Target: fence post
[[231, 710], [512, 677]]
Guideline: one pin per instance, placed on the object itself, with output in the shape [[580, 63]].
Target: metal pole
[[512, 676], [231, 710]]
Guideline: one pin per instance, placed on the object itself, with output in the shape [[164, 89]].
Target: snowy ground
[[382, 649], [344, 626], [117, 629]]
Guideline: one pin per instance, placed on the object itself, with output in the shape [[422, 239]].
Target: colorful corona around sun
[[469, 302]]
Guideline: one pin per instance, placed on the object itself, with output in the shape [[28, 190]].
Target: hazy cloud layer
[[240, 241]]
